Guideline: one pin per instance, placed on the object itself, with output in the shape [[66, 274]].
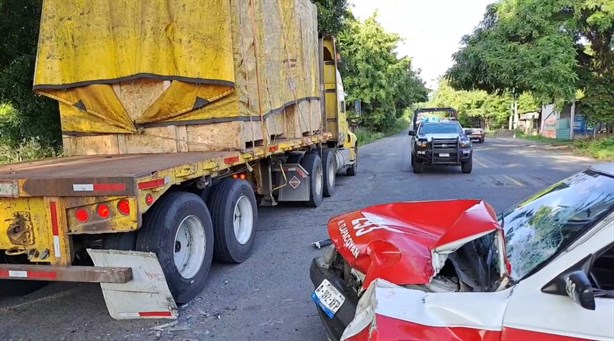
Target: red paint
[[109, 187], [273, 149], [155, 314], [41, 275], [231, 160], [395, 241], [388, 328], [55, 228], [511, 334], [48, 275], [152, 184]]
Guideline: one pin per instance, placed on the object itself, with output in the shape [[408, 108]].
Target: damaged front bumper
[[336, 325]]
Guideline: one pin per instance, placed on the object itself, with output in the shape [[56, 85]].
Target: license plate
[[444, 155], [328, 298]]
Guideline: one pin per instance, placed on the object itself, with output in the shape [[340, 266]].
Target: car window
[[602, 271], [545, 224], [439, 129]]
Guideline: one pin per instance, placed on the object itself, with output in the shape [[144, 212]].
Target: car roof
[[604, 168]]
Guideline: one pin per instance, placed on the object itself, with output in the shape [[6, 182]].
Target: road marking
[[480, 163], [514, 181]]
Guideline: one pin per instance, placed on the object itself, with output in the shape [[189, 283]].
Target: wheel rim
[[190, 246], [318, 179], [331, 174], [243, 220]]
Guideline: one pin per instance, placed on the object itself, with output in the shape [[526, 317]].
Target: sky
[[432, 29]]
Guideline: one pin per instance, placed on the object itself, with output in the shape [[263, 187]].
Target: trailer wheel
[[351, 171], [125, 241], [9, 288], [179, 230], [234, 211], [329, 162], [313, 165]]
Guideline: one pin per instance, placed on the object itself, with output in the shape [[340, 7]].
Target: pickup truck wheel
[[351, 171], [467, 166], [313, 165], [178, 229], [9, 288], [416, 166], [329, 161], [234, 212]]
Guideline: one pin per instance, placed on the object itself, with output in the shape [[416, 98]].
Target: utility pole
[[573, 117]]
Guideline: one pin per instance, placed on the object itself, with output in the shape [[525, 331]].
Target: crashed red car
[[454, 270]]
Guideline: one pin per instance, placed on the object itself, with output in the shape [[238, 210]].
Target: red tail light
[[82, 215], [123, 206], [149, 199], [103, 211]]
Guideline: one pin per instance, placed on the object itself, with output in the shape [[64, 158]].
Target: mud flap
[[147, 296]]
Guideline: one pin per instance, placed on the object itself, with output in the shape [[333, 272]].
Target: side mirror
[[412, 133], [578, 287], [467, 131]]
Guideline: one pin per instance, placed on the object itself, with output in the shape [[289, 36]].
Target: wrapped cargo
[[142, 76]]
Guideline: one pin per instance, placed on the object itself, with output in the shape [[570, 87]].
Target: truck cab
[[439, 140]]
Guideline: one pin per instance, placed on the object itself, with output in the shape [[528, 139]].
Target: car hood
[[408, 242]]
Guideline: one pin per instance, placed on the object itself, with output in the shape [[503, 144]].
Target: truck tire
[[234, 212], [313, 165], [467, 166], [416, 166], [178, 229], [351, 170], [125, 241], [329, 162], [10, 288]]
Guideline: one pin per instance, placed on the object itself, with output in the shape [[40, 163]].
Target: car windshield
[[439, 128], [540, 227]]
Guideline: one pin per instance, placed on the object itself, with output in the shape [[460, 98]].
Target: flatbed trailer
[[147, 226]]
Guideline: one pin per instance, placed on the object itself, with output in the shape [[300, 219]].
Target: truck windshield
[[540, 227], [440, 128]]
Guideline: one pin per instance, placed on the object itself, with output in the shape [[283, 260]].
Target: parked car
[[455, 270]]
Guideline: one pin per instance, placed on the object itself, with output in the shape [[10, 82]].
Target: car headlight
[[465, 143], [421, 143]]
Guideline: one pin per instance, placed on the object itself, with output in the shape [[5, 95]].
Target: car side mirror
[[578, 287], [467, 132], [412, 133]]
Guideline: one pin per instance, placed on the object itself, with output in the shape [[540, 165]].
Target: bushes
[[601, 149]]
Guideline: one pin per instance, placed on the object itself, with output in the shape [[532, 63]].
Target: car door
[[533, 313]]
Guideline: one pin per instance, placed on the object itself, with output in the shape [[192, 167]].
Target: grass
[[600, 148], [365, 135], [28, 150]]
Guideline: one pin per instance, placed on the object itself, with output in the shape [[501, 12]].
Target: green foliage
[[549, 48], [24, 116], [332, 16], [365, 135], [477, 108], [27, 150], [374, 74]]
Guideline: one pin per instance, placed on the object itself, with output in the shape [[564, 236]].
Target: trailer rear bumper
[[84, 274]]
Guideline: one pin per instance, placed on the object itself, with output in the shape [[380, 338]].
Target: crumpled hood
[[396, 241]]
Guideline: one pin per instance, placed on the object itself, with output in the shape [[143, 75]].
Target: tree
[[550, 48], [23, 115], [375, 75], [332, 16]]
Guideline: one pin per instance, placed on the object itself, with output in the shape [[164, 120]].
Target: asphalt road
[[268, 296]]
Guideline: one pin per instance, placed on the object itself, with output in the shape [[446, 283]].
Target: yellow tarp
[[224, 58]]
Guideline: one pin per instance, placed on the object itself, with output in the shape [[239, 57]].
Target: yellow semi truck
[[178, 118]]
